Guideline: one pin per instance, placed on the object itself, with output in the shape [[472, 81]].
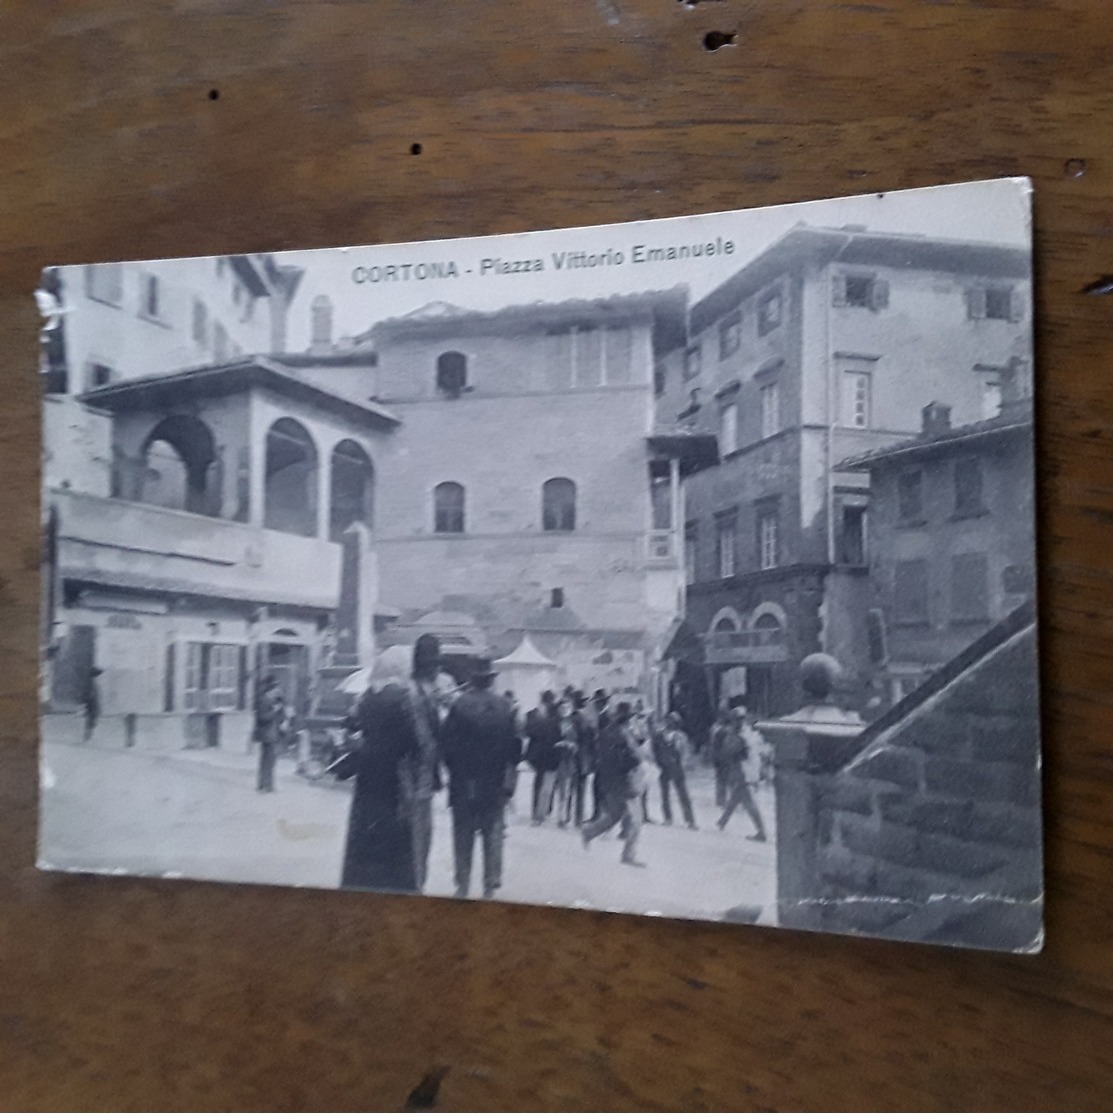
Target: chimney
[[320, 331], [936, 417]]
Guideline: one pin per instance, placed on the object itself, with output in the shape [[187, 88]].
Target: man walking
[[480, 749], [671, 750], [719, 730], [270, 716], [737, 740], [615, 775], [90, 702]]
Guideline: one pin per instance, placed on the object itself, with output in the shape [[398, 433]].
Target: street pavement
[[196, 814]]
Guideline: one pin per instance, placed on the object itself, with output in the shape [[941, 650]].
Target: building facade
[[824, 346], [952, 523], [528, 489], [208, 545]]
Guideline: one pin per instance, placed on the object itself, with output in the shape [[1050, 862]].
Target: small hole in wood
[[1074, 168], [214, 94], [415, 149], [713, 40]]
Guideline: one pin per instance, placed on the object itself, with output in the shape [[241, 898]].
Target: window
[[452, 374], [730, 335], [290, 479], [728, 429], [1000, 302], [691, 541], [991, 394], [726, 533], [105, 283], [969, 588], [769, 312], [910, 496], [768, 538], [558, 505], [224, 676], [99, 374], [556, 598], [770, 409], [660, 379], [693, 362], [852, 536], [200, 322], [856, 399], [151, 296], [968, 487], [220, 343], [860, 290], [448, 508], [910, 592], [213, 677]]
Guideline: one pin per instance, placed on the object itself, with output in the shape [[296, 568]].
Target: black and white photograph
[[684, 567]]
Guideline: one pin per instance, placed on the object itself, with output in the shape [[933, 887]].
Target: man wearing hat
[[481, 748], [270, 716], [617, 779]]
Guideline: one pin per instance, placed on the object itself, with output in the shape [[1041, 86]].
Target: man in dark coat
[[481, 749], [616, 777], [670, 747], [543, 754], [270, 718], [90, 701], [379, 852]]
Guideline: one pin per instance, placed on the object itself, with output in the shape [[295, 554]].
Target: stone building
[[825, 346], [207, 546], [951, 537], [528, 489]]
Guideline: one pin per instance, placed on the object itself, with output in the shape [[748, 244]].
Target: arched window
[[770, 629], [448, 508], [352, 490], [290, 495], [178, 467], [558, 505], [725, 624], [452, 373]]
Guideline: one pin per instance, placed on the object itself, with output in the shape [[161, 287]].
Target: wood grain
[[137, 994]]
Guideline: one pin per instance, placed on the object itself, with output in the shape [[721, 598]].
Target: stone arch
[[351, 488], [290, 485], [726, 619], [177, 466], [769, 615]]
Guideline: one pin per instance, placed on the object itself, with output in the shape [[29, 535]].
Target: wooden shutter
[[1016, 305], [877, 637], [168, 680], [838, 290], [975, 302], [241, 697]]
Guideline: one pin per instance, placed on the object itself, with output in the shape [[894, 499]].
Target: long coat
[[379, 850], [481, 749]]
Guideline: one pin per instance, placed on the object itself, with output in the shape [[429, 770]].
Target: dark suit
[[481, 749]]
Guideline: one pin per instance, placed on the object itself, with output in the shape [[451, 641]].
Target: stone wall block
[[962, 860], [892, 765]]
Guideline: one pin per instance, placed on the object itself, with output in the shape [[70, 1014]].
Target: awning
[[694, 449]]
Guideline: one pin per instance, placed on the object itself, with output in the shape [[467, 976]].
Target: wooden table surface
[[174, 127]]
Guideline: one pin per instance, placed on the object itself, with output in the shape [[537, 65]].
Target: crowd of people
[[593, 762]]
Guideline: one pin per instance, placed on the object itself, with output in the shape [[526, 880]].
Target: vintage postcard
[[683, 567]]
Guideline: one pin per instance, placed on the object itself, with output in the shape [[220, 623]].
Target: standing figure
[[568, 747], [719, 729], [421, 771], [639, 730], [270, 718], [480, 748], [584, 768], [379, 852], [542, 755], [671, 749], [737, 741], [616, 777], [90, 702]]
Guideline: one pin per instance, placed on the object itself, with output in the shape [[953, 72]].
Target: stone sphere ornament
[[819, 675]]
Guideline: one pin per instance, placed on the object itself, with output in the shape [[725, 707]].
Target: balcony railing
[[753, 645]]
